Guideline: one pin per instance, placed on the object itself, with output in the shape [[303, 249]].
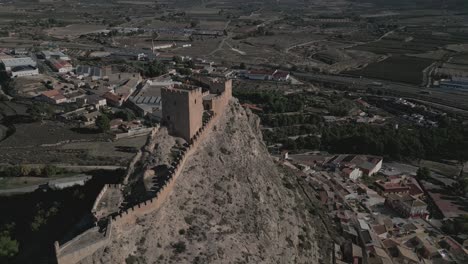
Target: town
[[351, 119]]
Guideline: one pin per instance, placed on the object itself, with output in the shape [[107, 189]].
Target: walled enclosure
[[130, 215]]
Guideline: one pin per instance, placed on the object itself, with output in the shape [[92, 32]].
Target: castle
[[183, 106], [189, 112]]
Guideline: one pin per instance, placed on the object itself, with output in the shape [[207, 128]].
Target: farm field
[[397, 68], [59, 143], [412, 42]]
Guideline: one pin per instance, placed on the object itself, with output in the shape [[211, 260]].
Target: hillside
[[231, 204]]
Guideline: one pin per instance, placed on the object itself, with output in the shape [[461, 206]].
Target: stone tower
[[182, 110]]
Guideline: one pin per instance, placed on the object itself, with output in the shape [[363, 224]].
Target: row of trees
[[23, 171], [404, 143], [435, 143], [445, 142], [272, 101], [291, 120]]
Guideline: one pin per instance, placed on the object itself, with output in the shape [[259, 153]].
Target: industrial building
[[57, 55], [10, 63], [19, 71], [60, 66], [456, 83]]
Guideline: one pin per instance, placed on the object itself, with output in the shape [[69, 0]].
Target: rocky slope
[[232, 204]]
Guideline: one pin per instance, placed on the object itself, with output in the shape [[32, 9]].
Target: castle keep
[[182, 110], [183, 105]]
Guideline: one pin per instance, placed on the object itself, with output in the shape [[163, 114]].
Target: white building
[[352, 173], [61, 66], [58, 55], [163, 46], [24, 71]]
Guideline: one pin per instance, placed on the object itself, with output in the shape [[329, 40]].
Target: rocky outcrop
[[231, 204]]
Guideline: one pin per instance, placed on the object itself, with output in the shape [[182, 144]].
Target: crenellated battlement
[[195, 133], [182, 89]]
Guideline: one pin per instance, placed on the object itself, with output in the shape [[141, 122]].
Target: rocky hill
[[231, 204]]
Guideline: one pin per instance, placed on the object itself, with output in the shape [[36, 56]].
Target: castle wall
[[101, 194], [129, 216], [218, 103], [65, 255], [182, 111], [98, 199], [75, 250]]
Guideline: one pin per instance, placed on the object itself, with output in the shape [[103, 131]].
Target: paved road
[[64, 182]]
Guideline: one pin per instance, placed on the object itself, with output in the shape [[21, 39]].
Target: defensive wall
[[137, 157], [103, 191], [82, 245], [76, 250], [130, 215]]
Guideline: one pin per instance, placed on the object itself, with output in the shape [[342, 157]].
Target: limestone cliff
[[231, 204]]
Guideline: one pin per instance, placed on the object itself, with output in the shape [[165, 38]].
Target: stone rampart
[[79, 247], [101, 194], [76, 250], [130, 215]]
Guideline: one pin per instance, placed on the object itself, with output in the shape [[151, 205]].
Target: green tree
[[423, 173], [103, 123], [177, 59], [25, 170], [40, 111], [184, 71], [8, 246], [155, 69], [50, 171], [125, 115]]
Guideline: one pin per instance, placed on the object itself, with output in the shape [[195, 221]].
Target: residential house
[[92, 100], [281, 76], [352, 253], [263, 75], [113, 99], [407, 205], [406, 255], [351, 173], [52, 96], [369, 165], [399, 184]]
